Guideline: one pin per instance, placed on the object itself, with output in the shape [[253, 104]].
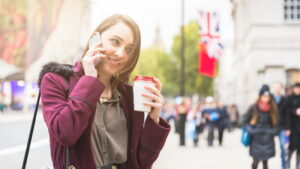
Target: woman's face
[[265, 98], [118, 42]]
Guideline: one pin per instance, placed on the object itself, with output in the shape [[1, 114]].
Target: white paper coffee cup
[[138, 89]]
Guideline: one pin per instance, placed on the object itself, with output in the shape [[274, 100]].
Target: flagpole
[[182, 47]]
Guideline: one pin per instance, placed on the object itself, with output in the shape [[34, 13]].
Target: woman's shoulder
[[252, 108], [55, 70]]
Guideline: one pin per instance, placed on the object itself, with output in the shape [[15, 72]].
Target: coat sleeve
[[152, 141], [274, 130], [68, 116], [246, 122]]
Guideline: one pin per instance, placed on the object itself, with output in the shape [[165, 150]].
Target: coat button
[[71, 167]]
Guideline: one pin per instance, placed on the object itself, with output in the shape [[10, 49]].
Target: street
[[232, 155], [13, 141]]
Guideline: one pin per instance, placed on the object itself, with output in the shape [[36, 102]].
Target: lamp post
[[182, 58]]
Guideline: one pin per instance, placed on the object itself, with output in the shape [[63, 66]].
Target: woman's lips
[[113, 62]]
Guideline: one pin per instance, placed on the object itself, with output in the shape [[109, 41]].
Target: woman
[[89, 107], [261, 122]]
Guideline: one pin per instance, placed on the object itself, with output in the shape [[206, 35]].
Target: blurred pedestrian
[[211, 115], [293, 111], [223, 122], [261, 121], [170, 111], [283, 134], [200, 123], [194, 122], [182, 110], [233, 116], [289, 90], [191, 123], [88, 107], [2, 106]]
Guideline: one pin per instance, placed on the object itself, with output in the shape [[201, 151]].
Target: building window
[[293, 76], [292, 11]]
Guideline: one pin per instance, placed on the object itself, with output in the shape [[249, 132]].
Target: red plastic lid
[[145, 78]]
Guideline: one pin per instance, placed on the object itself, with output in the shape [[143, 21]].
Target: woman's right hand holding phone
[[92, 58]]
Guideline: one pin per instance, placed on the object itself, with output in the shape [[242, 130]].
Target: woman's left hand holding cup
[[157, 99]]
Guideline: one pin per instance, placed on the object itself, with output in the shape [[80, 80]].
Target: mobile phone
[[94, 40]]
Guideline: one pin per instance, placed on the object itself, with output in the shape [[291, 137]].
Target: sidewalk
[[12, 116], [232, 155]]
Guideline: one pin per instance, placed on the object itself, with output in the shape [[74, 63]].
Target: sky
[[165, 14]]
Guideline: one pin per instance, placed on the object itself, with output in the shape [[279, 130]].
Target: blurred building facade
[[67, 39], [266, 49], [158, 42], [32, 33]]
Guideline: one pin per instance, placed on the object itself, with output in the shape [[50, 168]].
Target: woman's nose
[[120, 53]]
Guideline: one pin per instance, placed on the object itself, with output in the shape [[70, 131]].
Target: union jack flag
[[209, 23]]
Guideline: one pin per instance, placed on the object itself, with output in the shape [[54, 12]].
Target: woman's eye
[[128, 50], [115, 42]]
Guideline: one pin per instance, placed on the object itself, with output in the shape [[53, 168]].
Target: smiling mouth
[[113, 61]]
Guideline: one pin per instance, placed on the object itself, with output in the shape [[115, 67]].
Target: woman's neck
[[105, 79]]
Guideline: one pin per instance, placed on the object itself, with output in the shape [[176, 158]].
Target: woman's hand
[[157, 100], [91, 58]]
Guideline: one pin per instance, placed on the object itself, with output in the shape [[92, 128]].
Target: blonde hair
[[135, 52]]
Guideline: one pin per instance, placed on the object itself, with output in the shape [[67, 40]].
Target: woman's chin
[[107, 70]]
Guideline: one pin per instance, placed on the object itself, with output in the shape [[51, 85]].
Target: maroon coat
[[69, 118]]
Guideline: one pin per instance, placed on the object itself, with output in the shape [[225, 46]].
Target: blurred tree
[[155, 62], [194, 82]]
